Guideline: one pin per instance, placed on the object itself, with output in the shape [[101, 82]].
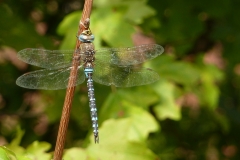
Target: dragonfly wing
[[50, 79], [129, 56], [51, 59], [124, 76]]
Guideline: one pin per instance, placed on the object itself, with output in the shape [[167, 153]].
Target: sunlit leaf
[[37, 150], [68, 28], [167, 107], [24, 158], [143, 124], [115, 105], [76, 154], [140, 124], [115, 142], [117, 28], [15, 143], [121, 139], [117, 33], [6, 154]]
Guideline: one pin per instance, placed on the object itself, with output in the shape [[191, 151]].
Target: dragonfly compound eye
[[85, 38]]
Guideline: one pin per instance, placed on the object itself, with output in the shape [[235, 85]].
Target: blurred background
[[191, 113]]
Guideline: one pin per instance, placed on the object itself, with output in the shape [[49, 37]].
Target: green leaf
[[17, 140], [138, 17], [24, 158], [115, 105], [37, 150], [109, 25], [68, 21], [209, 90], [115, 142], [68, 28], [167, 108], [6, 154], [15, 143], [76, 154], [180, 72], [140, 124], [121, 139], [129, 7], [106, 24], [143, 123]]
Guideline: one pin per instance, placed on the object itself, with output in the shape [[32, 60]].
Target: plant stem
[[58, 153]]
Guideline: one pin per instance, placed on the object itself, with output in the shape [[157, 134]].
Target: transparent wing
[[53, 59], [50, 79], [129, 56], [123, 76], [50, 59]]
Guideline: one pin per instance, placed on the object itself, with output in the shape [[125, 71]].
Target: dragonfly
[[120, 67]]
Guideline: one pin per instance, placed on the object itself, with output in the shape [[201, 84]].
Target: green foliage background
[[191, 113]]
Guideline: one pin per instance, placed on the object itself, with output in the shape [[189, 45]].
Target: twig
[[70, 91]]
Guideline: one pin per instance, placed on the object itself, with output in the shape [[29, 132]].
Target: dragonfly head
[[86, 36]]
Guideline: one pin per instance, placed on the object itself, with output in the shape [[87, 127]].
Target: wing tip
[[159, 48]]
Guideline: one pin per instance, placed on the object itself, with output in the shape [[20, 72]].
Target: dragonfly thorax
[[88, 58], [87, 54]]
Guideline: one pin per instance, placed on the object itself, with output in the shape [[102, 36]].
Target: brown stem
[[70, 91]]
